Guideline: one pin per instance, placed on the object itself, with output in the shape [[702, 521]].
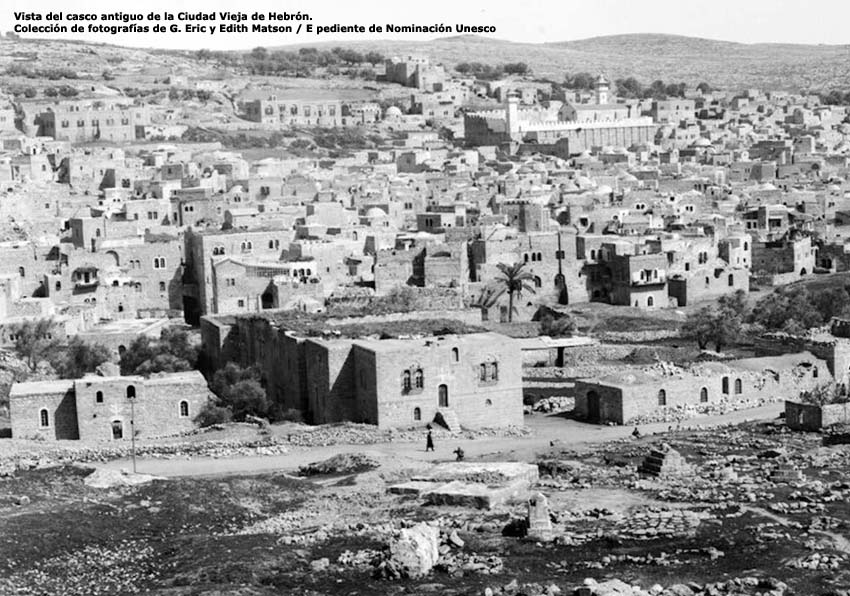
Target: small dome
[[392, 112], [375, 212]]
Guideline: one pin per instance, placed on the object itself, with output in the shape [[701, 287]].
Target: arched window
[[456, 355], [593, 254], [98, 397], [494, 371], [662, 397], [443, 396], [131, 391], [184, 409], [703, 395], [271, 243], [482, 372], [419, 379], [731, 280], [739, 386], [725, 385], [43, 418], [58, 286], [417, 414], [525, 257], [22, 272], [650, 301], [540, 256], [815, 372], [405, 380]]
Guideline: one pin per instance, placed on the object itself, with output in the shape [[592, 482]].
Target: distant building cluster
[[113, 223]]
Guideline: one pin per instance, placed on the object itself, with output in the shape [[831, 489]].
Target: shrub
[[213, 414]]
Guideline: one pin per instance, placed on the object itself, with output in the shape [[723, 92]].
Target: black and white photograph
[[480, 298]]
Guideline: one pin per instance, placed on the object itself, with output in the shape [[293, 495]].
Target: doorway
[[443, 393]]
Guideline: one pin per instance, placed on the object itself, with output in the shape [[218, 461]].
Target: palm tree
[[514, 281]]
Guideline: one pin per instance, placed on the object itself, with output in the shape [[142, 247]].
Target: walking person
[[429, 441]]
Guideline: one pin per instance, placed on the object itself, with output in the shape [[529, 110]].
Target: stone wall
[[476, 403], [27, 400], [621, 402], [810, 417], [156, 409]]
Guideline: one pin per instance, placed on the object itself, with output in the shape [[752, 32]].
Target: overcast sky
[[748, 21]]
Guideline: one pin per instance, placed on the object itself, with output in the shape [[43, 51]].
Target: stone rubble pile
[[555, 403]]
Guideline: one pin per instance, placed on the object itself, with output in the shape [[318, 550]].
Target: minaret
[[512, 115], [602, 87]]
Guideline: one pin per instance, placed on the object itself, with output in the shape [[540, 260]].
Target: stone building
[[107, 408], [622, 397], [472, 380], [323, 112], [91, 120], [580, 125], [776, 262], [416, 72]]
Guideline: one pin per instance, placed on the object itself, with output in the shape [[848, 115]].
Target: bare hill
[[648, 57]]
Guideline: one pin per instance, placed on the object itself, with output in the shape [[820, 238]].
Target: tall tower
[[602, 87], [512, 115]]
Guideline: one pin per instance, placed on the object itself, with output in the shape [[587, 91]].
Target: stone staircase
[[447, 419], [664, 462]]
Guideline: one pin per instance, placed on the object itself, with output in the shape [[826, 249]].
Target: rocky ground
[[751, 509]]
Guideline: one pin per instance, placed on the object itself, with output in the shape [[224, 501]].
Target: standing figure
[[429, 442]]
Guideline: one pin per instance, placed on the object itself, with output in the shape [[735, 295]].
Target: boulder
[[415, 551]]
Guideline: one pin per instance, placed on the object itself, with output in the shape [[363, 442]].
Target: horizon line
[[475, 36]]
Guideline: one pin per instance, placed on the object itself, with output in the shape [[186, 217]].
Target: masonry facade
[[107, 408]]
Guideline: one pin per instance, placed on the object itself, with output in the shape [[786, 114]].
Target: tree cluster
[[720, 325], [488, 72], [631, 88], [34, 343], [239, 393], [303, 63], [794, 309], [835, 97], [172, 352], [51, 74]]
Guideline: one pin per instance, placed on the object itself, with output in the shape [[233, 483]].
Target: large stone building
[[581, 126], [472, 380], [623, 397], [281, 113], [107, 408], [91, 120]]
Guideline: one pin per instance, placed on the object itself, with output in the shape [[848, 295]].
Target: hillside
[[648, 57]]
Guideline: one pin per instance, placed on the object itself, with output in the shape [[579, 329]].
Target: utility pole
[[133, 431]]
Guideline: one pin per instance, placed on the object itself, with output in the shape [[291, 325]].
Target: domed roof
[[702, 142], [392, 112], [604, 189], [375, 212]]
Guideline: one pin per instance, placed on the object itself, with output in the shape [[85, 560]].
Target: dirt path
[[545, 429]]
